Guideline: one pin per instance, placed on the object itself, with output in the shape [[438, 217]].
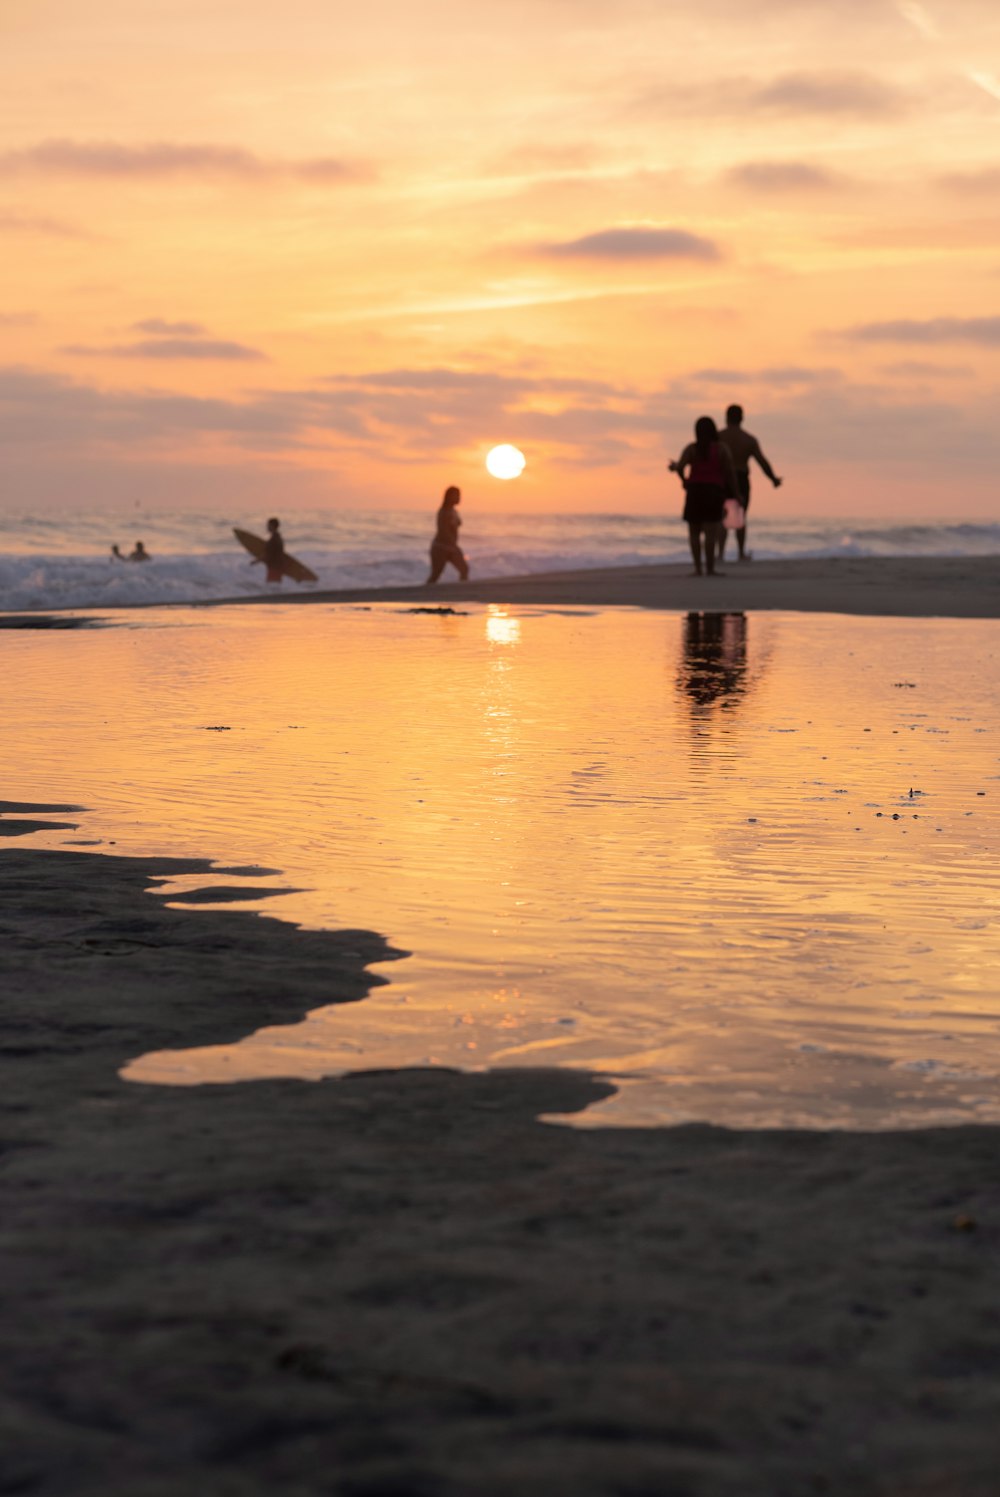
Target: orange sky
[[266, 251]]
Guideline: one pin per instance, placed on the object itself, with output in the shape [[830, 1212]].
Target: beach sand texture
[[406, 1283]]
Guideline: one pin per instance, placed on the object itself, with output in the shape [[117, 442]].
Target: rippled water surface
[[748, 866]]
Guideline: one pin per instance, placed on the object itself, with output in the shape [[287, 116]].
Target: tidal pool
[[745, 865]]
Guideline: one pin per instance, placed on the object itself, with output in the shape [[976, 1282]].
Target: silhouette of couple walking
[[715, 472]]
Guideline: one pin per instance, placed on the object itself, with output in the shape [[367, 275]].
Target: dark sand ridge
[[404, 1284], [909, 587]]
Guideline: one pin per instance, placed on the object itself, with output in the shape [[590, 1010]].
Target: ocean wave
[[45, 564]]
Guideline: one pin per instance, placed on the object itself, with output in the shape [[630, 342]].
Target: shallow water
[[746, 865]]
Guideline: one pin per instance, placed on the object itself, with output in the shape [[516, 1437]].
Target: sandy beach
[[411, 1283], [906, 587], [419, 1282]]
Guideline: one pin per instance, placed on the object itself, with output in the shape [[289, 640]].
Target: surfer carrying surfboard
[[274, 552]]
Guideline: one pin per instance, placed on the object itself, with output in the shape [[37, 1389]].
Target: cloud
[[924, 369], [988, 82], [919, 19], [541, 159], [40, 410], [441, 381], [782, 176], [159, 160], [984, 331], [158, 325], [820, 95], [19, 319], [780, 375], [640, 243], [986, 180], [14, 222], [167, 348], [808, 420], [400, 416], [827, 94]]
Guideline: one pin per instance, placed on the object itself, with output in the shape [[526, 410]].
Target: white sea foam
[[54, 562]]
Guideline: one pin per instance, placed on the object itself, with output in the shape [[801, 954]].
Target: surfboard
[[257, 547]]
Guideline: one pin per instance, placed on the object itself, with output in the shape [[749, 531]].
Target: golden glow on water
[[748, 865]]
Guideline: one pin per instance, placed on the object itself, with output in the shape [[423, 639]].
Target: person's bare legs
[[694, 539], [445, 556], [714, 535], [741, 541]]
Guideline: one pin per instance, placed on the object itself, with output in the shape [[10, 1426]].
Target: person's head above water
[[452, 496], [272, 525], [734, 415]]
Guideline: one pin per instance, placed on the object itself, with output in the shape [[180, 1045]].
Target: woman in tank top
[[709, 478]]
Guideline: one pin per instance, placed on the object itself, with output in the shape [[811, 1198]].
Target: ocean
[[63, 561]]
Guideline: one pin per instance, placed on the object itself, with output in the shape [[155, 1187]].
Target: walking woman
[[444, 546], [709, 478]]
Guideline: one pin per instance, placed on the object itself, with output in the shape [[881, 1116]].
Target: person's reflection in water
[[713, 663]]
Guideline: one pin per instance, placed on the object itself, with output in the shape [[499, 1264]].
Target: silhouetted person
[[140, 553], [709, 478], [274, 551], [444, 547], [742, 447], [116, 554]]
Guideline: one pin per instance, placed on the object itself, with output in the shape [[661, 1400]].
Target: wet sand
[[906, 587], [405, 1284]]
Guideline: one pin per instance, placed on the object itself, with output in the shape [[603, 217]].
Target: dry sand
[[910, 587], [405, 1284]]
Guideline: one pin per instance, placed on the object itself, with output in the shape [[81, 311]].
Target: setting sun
[[505, 461]]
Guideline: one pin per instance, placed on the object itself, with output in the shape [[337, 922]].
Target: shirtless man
[[742, 447]]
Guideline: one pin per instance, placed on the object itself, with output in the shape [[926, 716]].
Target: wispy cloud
[[19, 319], [407, 417], [168, 348], [536, 158], [988, 82], [638, 243], [159, 160], [924, 369], [783, 176], [12, 221], [919, 18], [986, 180], [984, 331], [828, 94], [158, 325], [780, 376], [819, 94]]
